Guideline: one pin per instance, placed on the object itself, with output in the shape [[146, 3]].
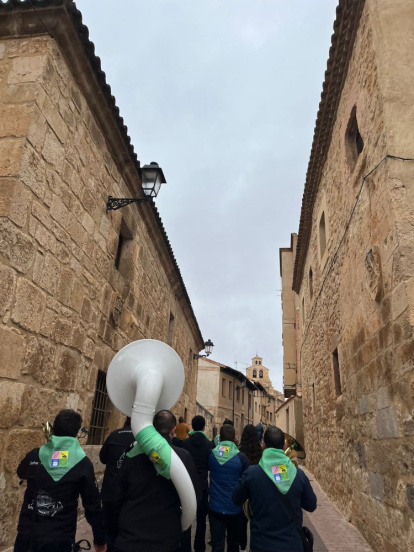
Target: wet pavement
[[331, 531]]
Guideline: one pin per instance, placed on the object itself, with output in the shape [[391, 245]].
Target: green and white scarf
[[278, 467], [225, 451], [60, 455], [158, 450]]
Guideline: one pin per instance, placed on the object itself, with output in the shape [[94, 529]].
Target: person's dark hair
[[180, 420], [67, 423], [227, 433], [198, 423], [274, 438], [164, 422], [250, 444], [228, 422]]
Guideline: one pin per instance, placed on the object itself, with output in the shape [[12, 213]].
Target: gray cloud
[[223, 94]]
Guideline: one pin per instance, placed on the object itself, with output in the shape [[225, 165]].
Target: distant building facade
[[266, 399], [226, 393], [354, 275], [76, 283]]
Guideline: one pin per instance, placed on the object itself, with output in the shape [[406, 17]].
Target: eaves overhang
[[348, 14]]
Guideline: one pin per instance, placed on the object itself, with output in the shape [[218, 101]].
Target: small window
[[270, 417], [237, 393], [101, 409], [255, 407], [170, 329], [354, 140], [310, 283], [322, 235], [260, 373], [255, 373], [242, 396], [259, 362], [223, 387], [249, 402], [124, 244], [337, 372]]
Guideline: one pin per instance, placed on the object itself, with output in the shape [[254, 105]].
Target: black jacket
[[49, 510], [271, 523], [112, 454], [150, 517], [199, 447]]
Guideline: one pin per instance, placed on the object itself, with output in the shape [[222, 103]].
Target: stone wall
[[358, 322], [65, 308]]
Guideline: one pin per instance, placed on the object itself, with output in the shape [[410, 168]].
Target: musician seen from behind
[[271, 525], [57, 473], [182, 429], [112, 454], [150, 508], [226, 465], [199, 446]]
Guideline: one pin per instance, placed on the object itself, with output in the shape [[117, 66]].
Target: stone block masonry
[[65, 308], [356, 337]]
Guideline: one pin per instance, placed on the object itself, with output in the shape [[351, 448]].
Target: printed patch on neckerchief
[[223, 451], [280, 473], [59, 459], [156, 459]]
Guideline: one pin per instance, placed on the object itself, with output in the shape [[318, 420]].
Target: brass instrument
[[293, 450], [47, 430]]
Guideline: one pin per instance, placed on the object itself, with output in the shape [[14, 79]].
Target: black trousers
[[24, 543], [220, 524], [111, 516], [200, 535]]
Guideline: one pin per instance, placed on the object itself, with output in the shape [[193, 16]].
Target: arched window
[[255, 373], [260, 373]]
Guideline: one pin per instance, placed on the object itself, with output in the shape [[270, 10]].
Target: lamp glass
[[208, 347], [152, 177]]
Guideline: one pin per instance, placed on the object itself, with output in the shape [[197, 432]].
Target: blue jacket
[[271, 524], [223, 479]]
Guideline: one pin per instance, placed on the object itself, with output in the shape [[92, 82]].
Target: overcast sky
[[223, 94]]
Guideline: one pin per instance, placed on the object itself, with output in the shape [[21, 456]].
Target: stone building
[[76, 283], [354, 274], [289, 416], [226, 393], [266, 399]]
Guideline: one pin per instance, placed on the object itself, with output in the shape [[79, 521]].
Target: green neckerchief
[[217, 439], [278, 467], [60, 455], [225, 451], [202, 433], [158, 450]]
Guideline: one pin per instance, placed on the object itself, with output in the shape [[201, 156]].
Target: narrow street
[[331, 531]]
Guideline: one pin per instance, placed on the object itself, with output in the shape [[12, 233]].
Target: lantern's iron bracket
[[115, 203]]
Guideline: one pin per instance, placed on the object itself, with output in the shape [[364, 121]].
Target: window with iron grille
[[101, 409]]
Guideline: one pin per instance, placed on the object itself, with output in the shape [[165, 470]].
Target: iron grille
[[101, 409]]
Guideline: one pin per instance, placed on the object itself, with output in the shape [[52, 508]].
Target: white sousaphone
[[144, 377]]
